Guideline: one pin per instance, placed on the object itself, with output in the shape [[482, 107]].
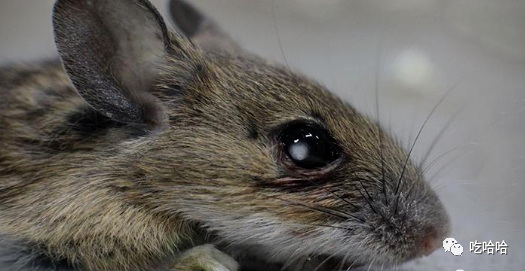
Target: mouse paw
[[204, 258]]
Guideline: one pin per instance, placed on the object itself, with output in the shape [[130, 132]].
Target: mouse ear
[[200, 29], [113, 51]]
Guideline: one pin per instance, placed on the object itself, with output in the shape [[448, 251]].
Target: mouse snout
[[430, 225], [408, 226]]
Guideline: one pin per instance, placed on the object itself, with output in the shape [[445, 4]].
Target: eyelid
[[316, 123], [304, 120]]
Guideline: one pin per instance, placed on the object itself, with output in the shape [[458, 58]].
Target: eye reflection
[[308, 146]]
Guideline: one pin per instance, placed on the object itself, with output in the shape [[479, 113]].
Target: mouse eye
[[308, 146]]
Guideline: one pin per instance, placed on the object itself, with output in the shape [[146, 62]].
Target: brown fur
[[105, 195]]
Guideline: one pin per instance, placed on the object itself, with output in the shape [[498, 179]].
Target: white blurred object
[[414, 70]]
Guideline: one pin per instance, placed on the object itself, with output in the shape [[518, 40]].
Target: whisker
[[366, 191], [439, 186], [354, 262], [418, 135], [317, 225], [370, 265], [440, 134], [343, 261], [452, 88], [396, 205], [409, 190], [276, 29], [369, 201], [290, 260], [326, 226], [328, 258], [324, 210], [444, 166], [333, 193], [380, 131], [439, 157]]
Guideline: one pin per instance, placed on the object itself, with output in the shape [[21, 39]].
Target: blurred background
[[414, 52]]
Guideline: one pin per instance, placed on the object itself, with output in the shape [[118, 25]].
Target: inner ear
[[140, 37], [112, 51]]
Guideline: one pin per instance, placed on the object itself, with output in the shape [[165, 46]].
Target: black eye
[[308, 146]]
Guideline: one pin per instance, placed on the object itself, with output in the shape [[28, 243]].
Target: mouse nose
[[429, 245], [430, 242]]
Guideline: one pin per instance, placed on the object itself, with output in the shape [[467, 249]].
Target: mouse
[[152, 147]]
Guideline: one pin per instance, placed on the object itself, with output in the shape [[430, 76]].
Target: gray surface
[[425, 48]]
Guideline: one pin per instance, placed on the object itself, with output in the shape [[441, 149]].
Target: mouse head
[[266, 160]]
